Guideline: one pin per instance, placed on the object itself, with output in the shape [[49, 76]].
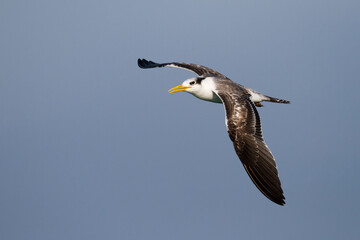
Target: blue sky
[[93, 147]]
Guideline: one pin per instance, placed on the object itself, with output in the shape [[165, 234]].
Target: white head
[[200, 87], [191, 85]]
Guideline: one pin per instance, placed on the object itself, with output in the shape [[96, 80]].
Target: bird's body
[[242, 121]]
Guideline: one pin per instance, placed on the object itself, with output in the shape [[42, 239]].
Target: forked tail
[[276, 100]]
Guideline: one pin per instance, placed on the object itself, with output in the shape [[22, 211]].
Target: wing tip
[[276, 197], [280, 201], [273, 192], [143, 63]]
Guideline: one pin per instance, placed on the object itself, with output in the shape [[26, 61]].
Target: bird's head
[[200, 87], [191, 85]]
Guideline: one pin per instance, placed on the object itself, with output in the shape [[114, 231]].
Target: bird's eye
[[192, 83]]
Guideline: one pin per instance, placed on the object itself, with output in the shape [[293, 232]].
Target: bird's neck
[[206, 92]]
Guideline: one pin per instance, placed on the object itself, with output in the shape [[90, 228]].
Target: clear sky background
[[93, 147]]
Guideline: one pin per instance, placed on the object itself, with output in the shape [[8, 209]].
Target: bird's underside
[[243, 125]]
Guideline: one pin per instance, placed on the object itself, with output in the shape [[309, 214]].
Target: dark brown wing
[[198, 69], [244, 128]]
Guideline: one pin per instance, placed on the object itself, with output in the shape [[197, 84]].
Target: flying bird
[[242, 121]]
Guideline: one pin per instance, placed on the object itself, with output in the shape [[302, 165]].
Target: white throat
[[206, 91]]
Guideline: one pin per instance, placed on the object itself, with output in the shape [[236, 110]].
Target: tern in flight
[[242, 121]]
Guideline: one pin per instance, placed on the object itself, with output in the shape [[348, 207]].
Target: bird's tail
[[276, 100]]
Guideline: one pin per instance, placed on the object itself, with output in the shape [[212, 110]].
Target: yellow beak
[[178, 89]]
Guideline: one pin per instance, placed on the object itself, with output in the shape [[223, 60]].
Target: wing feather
[[198, 69], [244, 128]]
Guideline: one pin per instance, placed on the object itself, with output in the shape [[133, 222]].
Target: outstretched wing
[[244, 128], [198, 69]]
